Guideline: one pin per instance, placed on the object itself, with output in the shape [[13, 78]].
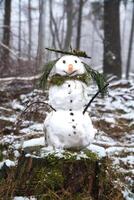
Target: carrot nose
[[70, 68]]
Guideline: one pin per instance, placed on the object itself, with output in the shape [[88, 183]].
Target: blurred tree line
[[63, 31]]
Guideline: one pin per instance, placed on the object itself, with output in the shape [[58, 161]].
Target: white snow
[[109, 119], [16, 105], [34, 142], [129, 116], [128, 159], [37, 127], [12, 118], [117, 149], [97, 149], [128, 195], [16, 153], [9, 163], [24, 198], [20, 78]]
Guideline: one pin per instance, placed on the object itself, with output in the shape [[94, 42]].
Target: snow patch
[[24, 198], [97, 149], [8, 163], [34, 142]]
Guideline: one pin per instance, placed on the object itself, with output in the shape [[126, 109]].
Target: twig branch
[[36, 102], [74, 52], [85, 109], [18, 121]]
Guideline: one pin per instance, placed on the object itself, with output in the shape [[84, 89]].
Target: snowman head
[[68, 66]]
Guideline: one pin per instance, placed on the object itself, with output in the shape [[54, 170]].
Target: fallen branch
[[106, 146], [11, 51]]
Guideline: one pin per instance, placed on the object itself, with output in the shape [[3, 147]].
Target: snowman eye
[[75, 61], [64, 61]]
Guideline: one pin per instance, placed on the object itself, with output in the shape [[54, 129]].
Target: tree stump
[[79, 175]]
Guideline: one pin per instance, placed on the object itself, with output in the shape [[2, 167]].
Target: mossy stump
[[66, 177]]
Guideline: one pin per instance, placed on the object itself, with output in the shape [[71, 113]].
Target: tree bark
[[19, 31], [130, 46], [41, 33], [78, 38], [69, 13], [64, 177], [5, 70], [112, 47], [29, 29], [51, 24]]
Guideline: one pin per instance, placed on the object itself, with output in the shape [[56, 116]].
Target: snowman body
[[72, 94], [68, 127]]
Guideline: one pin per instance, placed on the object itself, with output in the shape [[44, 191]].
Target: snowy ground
[[113, 117]]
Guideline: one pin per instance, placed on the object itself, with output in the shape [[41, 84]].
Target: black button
[[74, 126], [73, 120], [70, 109], [71, 101], [68, 85], [71, 113], [69, 135], [69, 92], [74, 132]]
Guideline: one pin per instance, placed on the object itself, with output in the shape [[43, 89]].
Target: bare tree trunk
[[5, 68], [51, 25], [112, 49], [41, 33], [130, 45], [78, 38], [29, 29], [19, 42], [69, 12]]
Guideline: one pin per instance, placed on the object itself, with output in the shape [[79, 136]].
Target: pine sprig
[[46, 71], [58, 79], [99, 78], [73, 52]]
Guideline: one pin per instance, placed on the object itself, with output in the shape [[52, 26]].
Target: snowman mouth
[[70, 74]]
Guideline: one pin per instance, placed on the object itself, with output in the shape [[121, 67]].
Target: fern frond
[[46, 71], [99, 78]]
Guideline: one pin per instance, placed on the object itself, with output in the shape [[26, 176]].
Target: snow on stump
[[71, 175]]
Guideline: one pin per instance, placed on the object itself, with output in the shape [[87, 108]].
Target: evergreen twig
[[99, 91], [74, 52]]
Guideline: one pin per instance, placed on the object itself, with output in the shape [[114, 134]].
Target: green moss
[[72, 155], [91, 155], [51, 178]]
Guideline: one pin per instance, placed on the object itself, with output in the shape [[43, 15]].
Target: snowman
[[67, 126]]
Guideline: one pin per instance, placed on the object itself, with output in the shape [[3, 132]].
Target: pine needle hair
[[57, 79]]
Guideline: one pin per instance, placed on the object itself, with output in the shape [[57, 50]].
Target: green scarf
[[59, 80]]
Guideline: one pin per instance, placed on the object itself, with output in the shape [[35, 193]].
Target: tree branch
[[85, 109], [74, 52]]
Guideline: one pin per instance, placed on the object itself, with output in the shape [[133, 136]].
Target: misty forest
[[66, 99]]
